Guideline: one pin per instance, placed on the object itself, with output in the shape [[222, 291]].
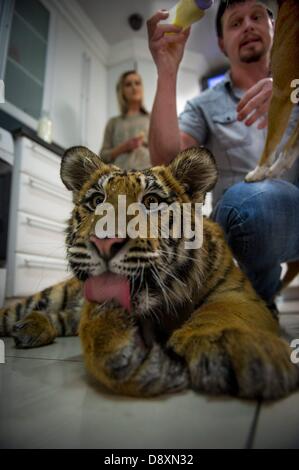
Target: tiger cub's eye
[[97, 199], [150, 199]]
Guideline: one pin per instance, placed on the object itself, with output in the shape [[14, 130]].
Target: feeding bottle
[[186, 12]]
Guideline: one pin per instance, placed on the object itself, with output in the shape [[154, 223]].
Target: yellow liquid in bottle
[[187, 12]]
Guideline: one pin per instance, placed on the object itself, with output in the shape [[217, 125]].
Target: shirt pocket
[[230, 132]]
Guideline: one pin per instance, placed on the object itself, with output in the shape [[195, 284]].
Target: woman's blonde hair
[[122, 103]]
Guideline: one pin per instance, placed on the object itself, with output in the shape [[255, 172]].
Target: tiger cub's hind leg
[[39, 319], [33, 331]]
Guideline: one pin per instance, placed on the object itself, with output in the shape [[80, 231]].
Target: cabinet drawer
[[40, 236], [38, 161], [40, 198], [34, 273]]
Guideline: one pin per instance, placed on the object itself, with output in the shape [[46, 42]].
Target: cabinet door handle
[[44, 225], [29, 263], [35, 184]]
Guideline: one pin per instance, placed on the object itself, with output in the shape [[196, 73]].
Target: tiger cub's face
[[144, 272]]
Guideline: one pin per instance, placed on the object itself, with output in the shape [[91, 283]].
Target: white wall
[[78, 92], [113, 74], [148, 72], [65, 102], [97, 115]]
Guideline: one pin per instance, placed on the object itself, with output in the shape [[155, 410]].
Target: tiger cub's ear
[[195, 168], [77, 165]]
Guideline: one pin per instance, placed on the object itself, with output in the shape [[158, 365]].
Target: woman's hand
[[128, 146], [255, 103], [132, 144]]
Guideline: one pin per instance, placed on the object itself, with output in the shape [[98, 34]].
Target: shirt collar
[[228, 83]]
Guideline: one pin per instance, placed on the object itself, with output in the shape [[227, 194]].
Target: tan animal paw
[[122, 364], [162, 372], [258, 174], [137, 371], [33, 331], [239, 362]]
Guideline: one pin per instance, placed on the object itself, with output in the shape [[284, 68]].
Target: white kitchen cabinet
[[61, 68], [39, 197], [35, 273], [40, 207], [40, 235], [25, 68], [40, 162]]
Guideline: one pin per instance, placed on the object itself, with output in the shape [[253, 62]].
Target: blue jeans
[[261, 225]]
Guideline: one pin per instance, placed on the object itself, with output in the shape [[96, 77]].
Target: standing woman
[[126, 136]]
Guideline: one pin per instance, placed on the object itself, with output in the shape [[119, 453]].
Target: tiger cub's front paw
[[239, 363], [123, 363]]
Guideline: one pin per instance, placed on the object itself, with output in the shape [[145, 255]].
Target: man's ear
[[221, 46], [77, 164], [196, 170]]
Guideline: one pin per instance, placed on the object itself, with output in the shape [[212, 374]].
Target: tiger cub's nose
[[108, 247]]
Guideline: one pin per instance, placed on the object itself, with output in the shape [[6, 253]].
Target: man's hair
[[224, 4]]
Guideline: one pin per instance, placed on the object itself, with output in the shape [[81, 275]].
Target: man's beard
[[252, 56]]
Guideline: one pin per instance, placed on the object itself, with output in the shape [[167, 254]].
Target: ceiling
[[110, 17]]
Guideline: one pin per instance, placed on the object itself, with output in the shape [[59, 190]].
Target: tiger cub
[[154, 315]]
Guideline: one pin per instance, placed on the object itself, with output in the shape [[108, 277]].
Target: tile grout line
[[252, 431], [43, 358]]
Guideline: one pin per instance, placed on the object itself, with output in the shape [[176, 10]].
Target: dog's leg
[[285, 68], [279, 114], [288, 156]]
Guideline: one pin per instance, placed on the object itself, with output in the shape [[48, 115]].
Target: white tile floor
[[48, 401]]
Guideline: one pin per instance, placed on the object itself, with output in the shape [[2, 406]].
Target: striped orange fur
[[195, 319]]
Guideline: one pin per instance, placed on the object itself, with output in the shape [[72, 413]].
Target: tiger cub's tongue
[[108, 286]]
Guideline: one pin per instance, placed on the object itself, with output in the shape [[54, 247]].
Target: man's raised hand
[[166, 43]]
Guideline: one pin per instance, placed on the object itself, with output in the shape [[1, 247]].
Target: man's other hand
[[255, 104]]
